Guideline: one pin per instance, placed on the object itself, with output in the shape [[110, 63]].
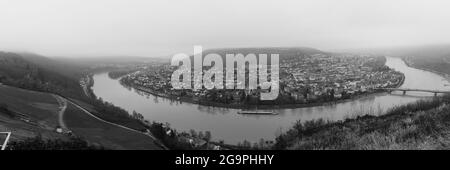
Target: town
[[235, 75], [307, 79]]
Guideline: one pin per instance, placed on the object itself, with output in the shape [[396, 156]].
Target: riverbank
[[412, 65], [87, 82], [204, 102], [263, 107]]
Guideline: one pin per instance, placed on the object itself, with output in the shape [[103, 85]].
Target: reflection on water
[[226, 124]]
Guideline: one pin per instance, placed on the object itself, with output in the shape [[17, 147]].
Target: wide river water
[[225, 124]]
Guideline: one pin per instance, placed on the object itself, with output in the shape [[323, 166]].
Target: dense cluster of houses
[[311, 77], [302, 80]]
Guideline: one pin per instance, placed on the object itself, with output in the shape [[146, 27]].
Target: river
[[225, 124]]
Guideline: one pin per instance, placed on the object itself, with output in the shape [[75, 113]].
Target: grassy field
[[421, 125], [40, 109], [111, 113], [39, 106], [109, 136]]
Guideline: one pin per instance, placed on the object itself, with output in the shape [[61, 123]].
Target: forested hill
[[39, 73], [65, 68]]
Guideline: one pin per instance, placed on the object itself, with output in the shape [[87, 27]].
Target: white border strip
[[8, 134]]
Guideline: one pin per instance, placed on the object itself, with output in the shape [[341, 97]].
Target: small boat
[[257, 112]]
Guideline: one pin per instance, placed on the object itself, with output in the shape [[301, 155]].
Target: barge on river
[[256, 112]]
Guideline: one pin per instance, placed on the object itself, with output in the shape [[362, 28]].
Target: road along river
[[225, 124]]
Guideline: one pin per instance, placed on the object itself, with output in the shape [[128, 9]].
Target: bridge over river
[[417, 90]]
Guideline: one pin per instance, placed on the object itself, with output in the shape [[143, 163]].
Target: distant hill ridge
[[39, 73], [285, 53]]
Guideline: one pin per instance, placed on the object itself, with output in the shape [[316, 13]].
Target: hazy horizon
[[159, 28]]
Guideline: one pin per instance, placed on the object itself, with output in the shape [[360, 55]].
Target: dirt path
[[62, 108]]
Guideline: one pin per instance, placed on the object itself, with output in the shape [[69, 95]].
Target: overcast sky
[[164, 27]]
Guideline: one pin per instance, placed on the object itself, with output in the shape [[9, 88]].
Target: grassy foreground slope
[[104, 134], [421, 125], [28, 114]]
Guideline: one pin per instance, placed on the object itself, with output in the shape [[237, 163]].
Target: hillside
[[435, 58], [28, 114], [105, 134], [39, 73], [107, 60], [427, 51], [429, 57], [40, 109], [67, 69], [421, 125]]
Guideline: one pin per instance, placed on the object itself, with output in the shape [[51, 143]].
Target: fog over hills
[[422, 51], [39, 73], [285, 52], [158, 27]]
